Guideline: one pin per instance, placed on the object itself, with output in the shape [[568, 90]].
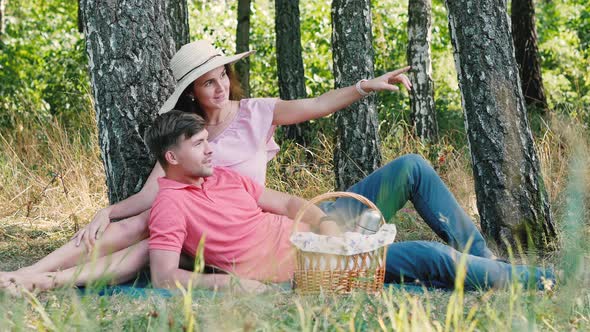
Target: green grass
[[393, 309]]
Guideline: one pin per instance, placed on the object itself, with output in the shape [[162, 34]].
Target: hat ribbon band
[[197, 67]]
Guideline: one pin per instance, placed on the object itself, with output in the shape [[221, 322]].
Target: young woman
[[241, 134]]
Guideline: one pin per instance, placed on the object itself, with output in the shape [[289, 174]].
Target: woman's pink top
[[247, 144]]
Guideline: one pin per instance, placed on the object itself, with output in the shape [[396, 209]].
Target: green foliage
[[564, 37], [390, 42], [316, 27], [214, 21], [43, 64], [43, 67]]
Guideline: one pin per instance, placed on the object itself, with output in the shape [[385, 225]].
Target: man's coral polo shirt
[[239, 236]]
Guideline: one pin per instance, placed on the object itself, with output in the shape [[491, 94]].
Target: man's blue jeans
[[411, 178]]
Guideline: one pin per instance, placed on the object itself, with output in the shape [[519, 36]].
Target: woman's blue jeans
[[411, 178]]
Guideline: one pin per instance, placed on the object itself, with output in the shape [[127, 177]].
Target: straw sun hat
[[192, 61]]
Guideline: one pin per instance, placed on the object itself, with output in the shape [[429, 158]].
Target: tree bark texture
[[524, 34], [2, 15], [423, 112], [357, 152], [178, 17], [511, 196], [80, 17], [129, 46], [290, 62], [243, 44]]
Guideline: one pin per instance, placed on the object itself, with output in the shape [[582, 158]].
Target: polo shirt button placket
[[205, 194]]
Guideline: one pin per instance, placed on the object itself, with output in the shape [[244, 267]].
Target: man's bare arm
[[165, 273], [288, 205]]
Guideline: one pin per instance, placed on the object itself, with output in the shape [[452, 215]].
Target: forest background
[[53, 179]]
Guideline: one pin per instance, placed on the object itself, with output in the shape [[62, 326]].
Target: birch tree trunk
[[357, 141], [243, 44], [80, 17], [527, 54], [129, 46], [511, 196], [290, 62], [2, 15], [423, 112]]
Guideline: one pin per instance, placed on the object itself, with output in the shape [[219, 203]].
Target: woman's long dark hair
[[187, 103]]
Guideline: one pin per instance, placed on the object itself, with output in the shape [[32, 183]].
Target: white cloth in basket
[[350, 243]]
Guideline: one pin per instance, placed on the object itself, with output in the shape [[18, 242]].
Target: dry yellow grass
[[52, 183], [50, 175], [562, 141]]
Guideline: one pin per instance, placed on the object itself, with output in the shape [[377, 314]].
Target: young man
[[246, 228]]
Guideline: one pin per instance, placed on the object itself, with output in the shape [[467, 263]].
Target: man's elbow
[[296, 204], [162, 279]]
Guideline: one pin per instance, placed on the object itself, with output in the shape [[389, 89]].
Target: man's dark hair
[[168, 129]]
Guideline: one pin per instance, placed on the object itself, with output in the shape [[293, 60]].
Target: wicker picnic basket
[[338, 274]]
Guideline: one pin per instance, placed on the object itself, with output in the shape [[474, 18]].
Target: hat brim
[[193, 75]]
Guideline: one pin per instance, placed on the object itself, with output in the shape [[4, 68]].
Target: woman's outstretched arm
[[131, 206], [289, 112]]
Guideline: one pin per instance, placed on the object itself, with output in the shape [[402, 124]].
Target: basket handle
[[334, 194]]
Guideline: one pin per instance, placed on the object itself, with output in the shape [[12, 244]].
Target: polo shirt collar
[[165, 183]]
